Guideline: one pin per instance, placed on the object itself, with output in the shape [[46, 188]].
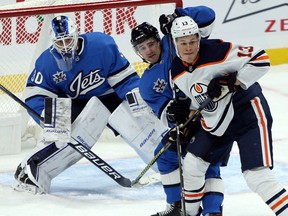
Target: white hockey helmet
[[64, 36], [184, 26]]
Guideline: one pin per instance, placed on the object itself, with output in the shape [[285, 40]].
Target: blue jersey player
[[156, 90], [78, 67]]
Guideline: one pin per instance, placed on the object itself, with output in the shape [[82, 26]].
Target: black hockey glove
[[165, 22], [220, 86], [171, 137], [185, 134], [178, 111]]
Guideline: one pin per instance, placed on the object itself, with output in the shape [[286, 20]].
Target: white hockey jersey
[[216, 58]]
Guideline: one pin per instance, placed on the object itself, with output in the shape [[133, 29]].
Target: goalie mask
[[141, 33], [184, 26], [64, 36]]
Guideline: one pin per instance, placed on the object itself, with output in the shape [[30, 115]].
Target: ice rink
[[84, 190]]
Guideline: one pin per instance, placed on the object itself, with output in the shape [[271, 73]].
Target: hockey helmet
[[143, 32], [184, 26], [64, 36]]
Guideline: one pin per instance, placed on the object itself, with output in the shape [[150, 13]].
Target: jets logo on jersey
[[59, 76], [198, 90], [159, 85], [83, 84]]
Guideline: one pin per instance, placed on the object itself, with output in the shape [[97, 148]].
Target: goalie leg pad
[[142, 133], [89, 125], [49, 161]]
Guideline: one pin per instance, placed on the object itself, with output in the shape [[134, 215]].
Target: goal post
[[24, 35]]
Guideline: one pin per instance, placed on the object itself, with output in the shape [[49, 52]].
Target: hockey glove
[[178, 111], [185, 134], [220, 86], [171, 136], [165, 22]]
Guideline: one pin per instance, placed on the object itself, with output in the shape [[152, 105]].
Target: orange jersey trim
[[264, 129]]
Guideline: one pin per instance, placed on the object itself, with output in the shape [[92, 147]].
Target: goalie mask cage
[[24, 35]]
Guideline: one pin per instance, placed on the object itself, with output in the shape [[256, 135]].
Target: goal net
[[24, 34]]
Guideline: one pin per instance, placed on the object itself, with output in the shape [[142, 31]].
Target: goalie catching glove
[[220, 86]]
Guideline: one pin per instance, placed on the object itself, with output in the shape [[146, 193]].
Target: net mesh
[[24, 34]]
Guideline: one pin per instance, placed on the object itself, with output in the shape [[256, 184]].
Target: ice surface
[[85, 190]]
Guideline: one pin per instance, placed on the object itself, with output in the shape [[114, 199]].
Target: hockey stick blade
[[79, 147], [167, 143], [150, 164]]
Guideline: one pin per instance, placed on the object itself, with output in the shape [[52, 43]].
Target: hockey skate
[[23, 183], [173, 209]]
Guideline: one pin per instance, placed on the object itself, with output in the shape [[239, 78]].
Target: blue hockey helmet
[[64, 36]]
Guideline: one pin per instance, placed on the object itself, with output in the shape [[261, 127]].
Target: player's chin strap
[[79, 147]]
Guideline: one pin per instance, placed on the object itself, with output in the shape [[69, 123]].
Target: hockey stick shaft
[[15, 98], [168, 144], [150, 164], [178, 142], [179, 148], [197, 112], [79, 147]]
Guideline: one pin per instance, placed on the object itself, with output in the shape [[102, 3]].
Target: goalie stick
[[79, 147], [168, 144]]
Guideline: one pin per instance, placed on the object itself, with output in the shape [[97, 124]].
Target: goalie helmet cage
[[24, 35]]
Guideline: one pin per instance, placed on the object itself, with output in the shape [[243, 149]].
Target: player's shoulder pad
[[213, 51], [99, 39]]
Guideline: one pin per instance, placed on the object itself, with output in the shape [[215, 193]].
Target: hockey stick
[[168, 144], [79, 147], [178, 142]]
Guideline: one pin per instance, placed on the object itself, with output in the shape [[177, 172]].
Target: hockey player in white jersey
[[156, 90], [90, 71], [227, 73]]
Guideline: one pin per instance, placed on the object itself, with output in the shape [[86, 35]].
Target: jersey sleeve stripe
[[262, 52]]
